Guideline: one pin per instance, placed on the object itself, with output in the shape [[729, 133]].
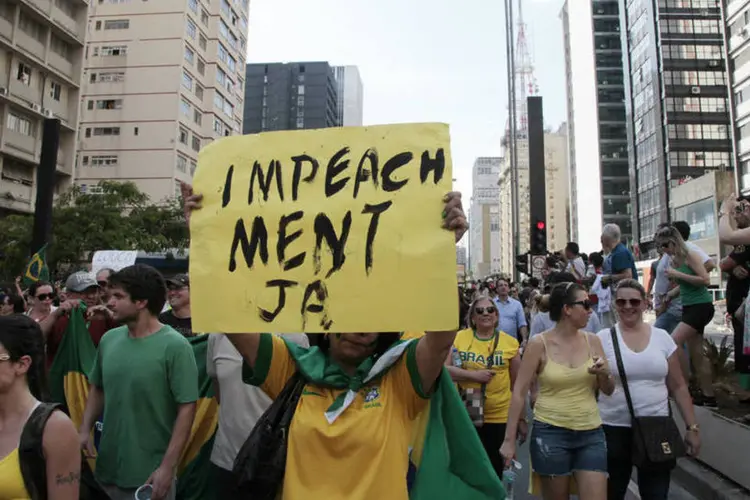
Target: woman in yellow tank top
[[567, 437], [22, 377]]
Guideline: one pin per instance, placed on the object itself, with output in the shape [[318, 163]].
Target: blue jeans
[[556, 451], [668, 321]]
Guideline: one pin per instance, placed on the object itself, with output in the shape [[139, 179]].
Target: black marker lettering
[[227, 194], [297, 175], [436, 164], [364, 174], [324, 230], [335, 167], [372, 231], [264, 180], [258, 242], [279, 180], [321, 293], [286, 239], [269, 316], [398, 161]]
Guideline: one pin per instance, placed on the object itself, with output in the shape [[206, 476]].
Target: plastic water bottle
[[509, 478], [456, 358]]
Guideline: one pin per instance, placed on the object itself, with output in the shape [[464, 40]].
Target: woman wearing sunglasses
[[688, 270], [41, 296], [486, 361], [567, 439], [652, 367]]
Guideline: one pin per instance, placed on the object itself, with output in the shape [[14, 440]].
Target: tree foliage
[[121, 217]]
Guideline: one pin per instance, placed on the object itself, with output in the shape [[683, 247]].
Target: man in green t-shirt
[[146, 373]]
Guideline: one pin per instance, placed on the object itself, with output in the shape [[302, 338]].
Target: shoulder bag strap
[[30, 452], [491, 362], [621, 369]]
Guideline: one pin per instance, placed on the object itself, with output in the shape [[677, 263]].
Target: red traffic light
[[540, 225]]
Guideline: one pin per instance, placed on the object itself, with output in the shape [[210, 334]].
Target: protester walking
[[485, 364], [39, 454], [567, 439], [688, 270], [646, 364]]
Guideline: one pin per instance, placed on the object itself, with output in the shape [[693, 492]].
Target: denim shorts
[[556, 451]]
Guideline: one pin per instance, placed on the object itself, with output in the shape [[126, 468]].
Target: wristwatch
[[693, 428]]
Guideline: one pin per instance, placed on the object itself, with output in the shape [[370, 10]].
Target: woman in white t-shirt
[[652, 367]]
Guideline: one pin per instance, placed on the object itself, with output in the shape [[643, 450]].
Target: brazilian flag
[[69, 386], [37, 269]]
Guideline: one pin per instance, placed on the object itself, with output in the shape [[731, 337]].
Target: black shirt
[[737, 289], [182, 325]]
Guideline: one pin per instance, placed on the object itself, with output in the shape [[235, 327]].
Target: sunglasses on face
[[45, 296], [628, 302], [485, 310], [586, 304]]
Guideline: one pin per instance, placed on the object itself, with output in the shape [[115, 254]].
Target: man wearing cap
[[178, 295], [81, 288]]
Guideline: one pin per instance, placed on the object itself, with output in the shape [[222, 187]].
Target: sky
[[421, 60]]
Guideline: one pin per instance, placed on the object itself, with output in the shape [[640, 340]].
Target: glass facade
[[613, 152], [676, 102]]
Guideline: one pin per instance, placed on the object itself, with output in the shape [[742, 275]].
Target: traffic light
[[522, 263], [539, 238]]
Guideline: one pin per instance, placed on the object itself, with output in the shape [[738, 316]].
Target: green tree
[[121, 217]]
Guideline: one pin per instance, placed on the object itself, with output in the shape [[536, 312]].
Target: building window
[[191, 29], [185, 107], [183, 136], [218, 126], [20, 124], [32, 28], [117, 24], [187, 81], [103, 160], [106, 131], [202, 42], [199, 92], [181, 163], [193, 4], [189, 55], [108, 104], [60, 47], [23, 74], [225, 8], [108, 77], [226, 58], [300, 100], [301, 122], [197, 116], [204, 17], [201, 67], [193, 166], [55, 89], [301, 90], [196, 144], [111, 50]]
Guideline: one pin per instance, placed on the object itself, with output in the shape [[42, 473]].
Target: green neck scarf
[[319, 369]]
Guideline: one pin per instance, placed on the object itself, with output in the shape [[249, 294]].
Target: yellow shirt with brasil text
[[474, 353], [364, 454]]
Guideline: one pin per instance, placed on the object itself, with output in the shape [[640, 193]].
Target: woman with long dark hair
[[41, 301], [40, 457]]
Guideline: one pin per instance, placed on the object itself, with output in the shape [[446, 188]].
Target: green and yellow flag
[[69, 386], [37, 269]]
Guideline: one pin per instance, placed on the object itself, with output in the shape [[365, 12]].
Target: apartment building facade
[[737, 33], [350, 96], [41, 54], [161, 80]]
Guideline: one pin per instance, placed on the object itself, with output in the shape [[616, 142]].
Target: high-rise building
[[289, 96], [162, 79], [557, 206], [41, 53], [484, 218], [350, 96], [737, 32], [599, 177], [675, 102]]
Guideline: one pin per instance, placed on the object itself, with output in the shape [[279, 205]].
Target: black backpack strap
[[31, 454]]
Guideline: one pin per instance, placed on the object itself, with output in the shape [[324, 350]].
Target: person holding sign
[[351, 430]]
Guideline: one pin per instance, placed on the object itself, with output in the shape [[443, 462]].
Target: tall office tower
[[557, 207], [737, 32], [350, 96], [675, 101], [162, 80], [41, 53], [597, 138], [289, 96], [484, 227]]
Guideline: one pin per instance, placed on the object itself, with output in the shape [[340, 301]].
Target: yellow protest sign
[[331, 230]]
